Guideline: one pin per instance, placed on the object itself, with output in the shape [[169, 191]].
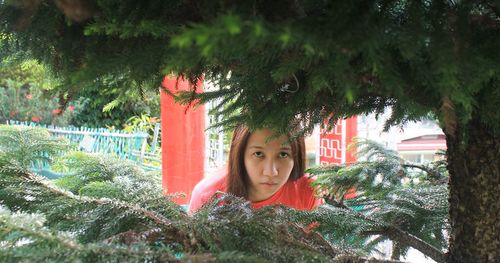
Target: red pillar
[[183, 141], [351, 132]]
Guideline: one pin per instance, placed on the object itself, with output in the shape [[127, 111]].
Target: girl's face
[[268, 164]]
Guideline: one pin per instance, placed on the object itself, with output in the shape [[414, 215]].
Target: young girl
[[262, 169]]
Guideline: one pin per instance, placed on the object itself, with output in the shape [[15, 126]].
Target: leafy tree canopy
[[286, 58]]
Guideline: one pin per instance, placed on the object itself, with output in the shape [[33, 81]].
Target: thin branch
[[408, 239], [41, 234], [169, 230], [155, 217], [433, 173], [400, 236], [331, 250], [100, 249], [330, 199], [358, 259]]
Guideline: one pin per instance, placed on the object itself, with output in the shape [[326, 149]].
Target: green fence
[[120, 144]]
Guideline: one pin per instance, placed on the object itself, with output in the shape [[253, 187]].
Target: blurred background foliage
[[29, 91]]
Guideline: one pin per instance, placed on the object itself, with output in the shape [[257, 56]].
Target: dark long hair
[[237, 177]]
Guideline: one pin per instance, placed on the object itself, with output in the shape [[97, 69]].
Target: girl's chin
[[268, 186], [265, 193]]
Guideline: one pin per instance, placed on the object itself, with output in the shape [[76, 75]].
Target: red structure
[[333, 144], [183, 141]]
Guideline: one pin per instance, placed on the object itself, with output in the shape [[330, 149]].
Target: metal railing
[[120, 144]]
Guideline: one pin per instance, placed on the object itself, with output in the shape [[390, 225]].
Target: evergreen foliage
[[116, 212], [25, 238], [310, 58], [21, 147], [292, 64], [98, 176], [393, 201]]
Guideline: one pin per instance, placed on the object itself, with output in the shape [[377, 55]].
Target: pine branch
[[432, 172], [259, 231], [331, 199], [157, 218], [356, 259], [385, 204], [169, 229], [30, 239], [17, 224], [400, 236], [408, 239]]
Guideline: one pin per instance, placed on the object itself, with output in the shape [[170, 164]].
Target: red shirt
[[297, 194]]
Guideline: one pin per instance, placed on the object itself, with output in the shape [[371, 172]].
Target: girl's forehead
[[267, 137]]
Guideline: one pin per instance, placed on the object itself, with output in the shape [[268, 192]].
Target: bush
[[27, 94], [30, 104]]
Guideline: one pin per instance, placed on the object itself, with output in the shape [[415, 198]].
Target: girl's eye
[[258, 154], [284, 155]]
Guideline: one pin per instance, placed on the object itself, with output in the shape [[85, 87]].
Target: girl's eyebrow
[[261, 147], [256, 146]]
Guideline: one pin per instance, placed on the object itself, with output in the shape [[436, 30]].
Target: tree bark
[[473, 163]]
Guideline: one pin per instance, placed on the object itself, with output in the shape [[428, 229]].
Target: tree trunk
[[474, 167]]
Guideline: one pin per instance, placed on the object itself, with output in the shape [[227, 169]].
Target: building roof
[[427, 142]]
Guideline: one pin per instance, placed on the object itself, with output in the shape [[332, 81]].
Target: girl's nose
[[270, 168]]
